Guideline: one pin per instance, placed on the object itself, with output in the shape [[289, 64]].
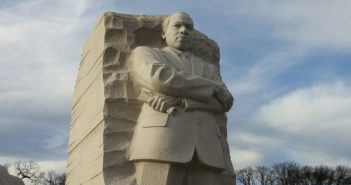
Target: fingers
[[222, 102], [167, 103], [154, 101], [151, 100], [158, 103], [226, 101], [162, 103]]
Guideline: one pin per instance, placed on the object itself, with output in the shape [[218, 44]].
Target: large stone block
[[105, 103]]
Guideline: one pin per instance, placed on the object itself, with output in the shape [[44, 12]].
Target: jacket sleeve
[[151, 72], [213, 105]]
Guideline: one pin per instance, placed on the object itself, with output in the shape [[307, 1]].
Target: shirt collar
[[179, 52]]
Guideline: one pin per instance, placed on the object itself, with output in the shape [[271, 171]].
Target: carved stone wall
[[105, 104]]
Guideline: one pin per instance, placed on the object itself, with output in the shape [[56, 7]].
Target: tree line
[[291, 173], [29, 171], [285, 173]]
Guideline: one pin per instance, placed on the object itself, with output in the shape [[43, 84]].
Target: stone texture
[[105, 105], [7, 179]]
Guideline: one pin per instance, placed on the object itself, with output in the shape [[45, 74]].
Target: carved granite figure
[[149, 105], [177, 130]]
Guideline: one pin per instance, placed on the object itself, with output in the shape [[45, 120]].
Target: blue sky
[[286, 62]]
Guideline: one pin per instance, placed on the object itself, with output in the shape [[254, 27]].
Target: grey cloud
[[40, 48]]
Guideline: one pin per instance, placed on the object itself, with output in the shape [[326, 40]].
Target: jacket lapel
[[175, 60], [201, 68]]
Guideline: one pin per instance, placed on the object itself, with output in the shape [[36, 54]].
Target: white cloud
[[251, 148], [309, 125], [307, 24], [253, 140], [315, 109], [41, 42], [292, 28], [299, 23], [243, 158], [7, 159], [314, 23], [312, 124], [308, 156], [256, 77], [58, 166], [40, 48]]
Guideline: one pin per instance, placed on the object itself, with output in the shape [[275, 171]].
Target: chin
[[183, 47]]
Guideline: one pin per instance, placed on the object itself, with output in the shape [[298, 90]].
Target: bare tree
[[28, 170], [246, 176], [262, 175], [61, 179], [306, 175], [323, 175], [287, 173], [271, 177], [290, 173], [52, 178], [342, 175]]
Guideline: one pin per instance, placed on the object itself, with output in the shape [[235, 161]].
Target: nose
[[183, 30]]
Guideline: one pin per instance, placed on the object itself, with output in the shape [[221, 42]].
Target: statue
[[177, 132], [149, 105]]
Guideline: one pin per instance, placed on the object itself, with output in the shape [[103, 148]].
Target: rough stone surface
[[105, 102], [7, 179]]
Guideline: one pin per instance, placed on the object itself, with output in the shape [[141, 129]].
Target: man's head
[[177, 30]]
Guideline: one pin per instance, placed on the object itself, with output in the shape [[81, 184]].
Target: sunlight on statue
[[149, 105], [177, 139]]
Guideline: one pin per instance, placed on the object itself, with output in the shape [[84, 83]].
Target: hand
[[224, 97], [163, 103]]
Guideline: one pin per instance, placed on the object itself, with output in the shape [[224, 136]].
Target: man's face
[[178, 33]]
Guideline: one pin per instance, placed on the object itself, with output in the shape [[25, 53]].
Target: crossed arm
[[173, 87]]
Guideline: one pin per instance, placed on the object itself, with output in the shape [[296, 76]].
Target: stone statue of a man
[[177, 140]]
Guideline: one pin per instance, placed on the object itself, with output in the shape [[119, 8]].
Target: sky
[[286, 63]]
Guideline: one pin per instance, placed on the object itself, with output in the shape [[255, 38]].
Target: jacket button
[[198, 122]]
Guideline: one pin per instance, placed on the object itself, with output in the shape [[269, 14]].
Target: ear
[[163, 35]]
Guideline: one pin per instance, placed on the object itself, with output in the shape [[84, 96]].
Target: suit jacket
[[176, 138]]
